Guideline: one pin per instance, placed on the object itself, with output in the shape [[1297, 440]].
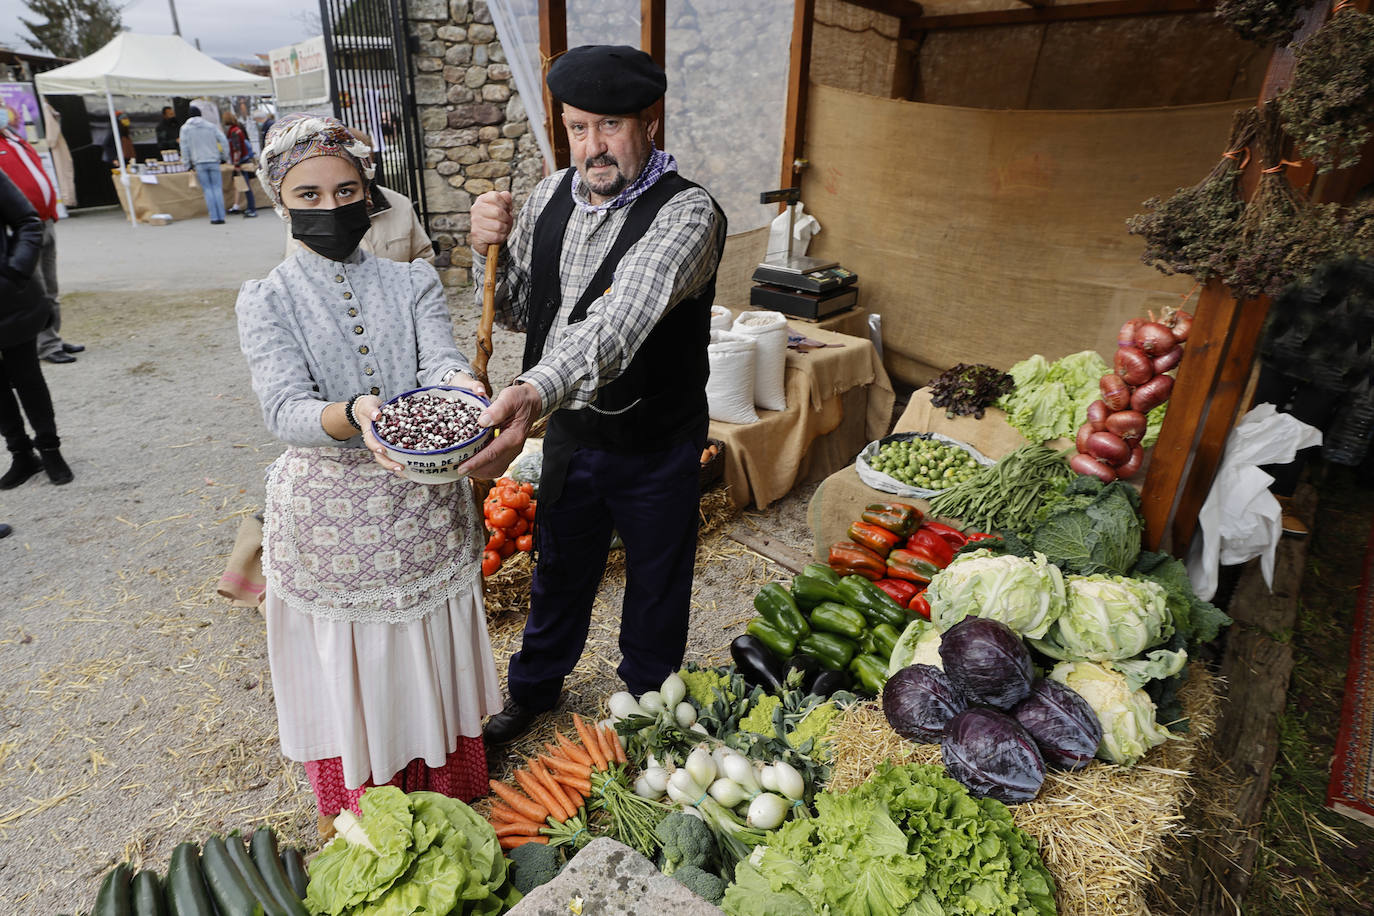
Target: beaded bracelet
[[348, 412]]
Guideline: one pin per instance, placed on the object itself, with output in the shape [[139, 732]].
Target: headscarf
[[298, 137]]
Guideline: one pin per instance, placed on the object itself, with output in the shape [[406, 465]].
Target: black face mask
[[333, 234]]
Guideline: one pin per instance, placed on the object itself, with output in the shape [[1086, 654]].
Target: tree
[[72, 28]]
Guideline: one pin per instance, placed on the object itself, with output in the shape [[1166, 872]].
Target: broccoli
[[533, 864], [705, 885], [687, 840]]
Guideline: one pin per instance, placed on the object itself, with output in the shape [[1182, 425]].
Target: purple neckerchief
[[659, 163]]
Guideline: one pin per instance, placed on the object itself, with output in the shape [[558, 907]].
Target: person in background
[[204, 146], [381, 664], [241, 158], [167, 129], [126, 143], [23, 312], [21, 163]]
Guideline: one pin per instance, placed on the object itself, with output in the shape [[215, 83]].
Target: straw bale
[[1105, 831]]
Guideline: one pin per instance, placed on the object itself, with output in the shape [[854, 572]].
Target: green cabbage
[[1026, 595], [1107, 618], [919, 644], [1127, 715], [1093, 528]]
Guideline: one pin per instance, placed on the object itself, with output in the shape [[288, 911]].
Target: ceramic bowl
[[439, 466]]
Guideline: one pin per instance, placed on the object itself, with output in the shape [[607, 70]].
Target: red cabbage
[[993, 756], [1062, 724], [987, 662], [918, 700]]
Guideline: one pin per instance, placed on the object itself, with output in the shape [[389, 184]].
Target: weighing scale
[[798, 285]]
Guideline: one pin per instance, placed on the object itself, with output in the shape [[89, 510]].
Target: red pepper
[[932, 543], [920, 605], [901, 591], [981, 536], [848, 558], [875, 537], [914, 566], [899, 518], [953, 536]]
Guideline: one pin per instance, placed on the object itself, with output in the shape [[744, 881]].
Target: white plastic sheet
[[1241, 519]]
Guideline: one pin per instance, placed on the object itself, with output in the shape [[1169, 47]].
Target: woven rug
[[1351, 791]]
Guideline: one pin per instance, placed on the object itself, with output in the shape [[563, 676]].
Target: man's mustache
[[602, 160]]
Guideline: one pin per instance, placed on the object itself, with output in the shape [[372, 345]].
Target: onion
[[1080, 441], [1087, 465], [701, 766], [683, 789], [652, 702], [685, 714], [1132, 466], [1109, 447], [1097, 415], [644, 790], [1154, 338], [1168, 361], [738, 768], [1182, 325], [1132, 365], [622, 704], [728, 792], [766, 811], [673, 691], [1126, 336], [768, 777], [657, 778], [1153, 393], [790, 782], [1115, 392], [1128, 424]]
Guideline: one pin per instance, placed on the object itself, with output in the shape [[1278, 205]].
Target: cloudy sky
[[226, 28]]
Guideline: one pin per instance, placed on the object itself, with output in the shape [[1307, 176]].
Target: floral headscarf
[[298, 137]]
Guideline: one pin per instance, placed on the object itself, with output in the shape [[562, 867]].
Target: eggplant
[[756, 663], [829, 683]]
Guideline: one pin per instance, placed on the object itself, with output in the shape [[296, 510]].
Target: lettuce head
[[1026, 595]]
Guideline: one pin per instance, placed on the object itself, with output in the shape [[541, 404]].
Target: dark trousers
[[20, 375], [1313, 406], [652, 501]]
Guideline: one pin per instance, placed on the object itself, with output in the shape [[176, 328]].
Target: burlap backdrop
[[987, 236]]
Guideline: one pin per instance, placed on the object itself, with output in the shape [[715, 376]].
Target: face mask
[[333, 234], [4, 119]]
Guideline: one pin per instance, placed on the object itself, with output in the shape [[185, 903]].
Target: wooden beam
[[553, 41], [902, 9], [906, 68], [1042, 14], [653, 38], [798, 76]]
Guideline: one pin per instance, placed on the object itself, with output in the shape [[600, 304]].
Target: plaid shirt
[[674, 259]]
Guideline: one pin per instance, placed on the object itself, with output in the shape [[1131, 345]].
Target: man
[[610, 269], [21, 164], [167, 132], [204, 145]]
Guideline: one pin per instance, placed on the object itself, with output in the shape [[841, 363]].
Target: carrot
[[510, 842], [511, 796], [571, 767], [583, 786], [536, 791], [504, 814], [548, 782], [573, 750], [616, 747], [586, 733], [521, 828]]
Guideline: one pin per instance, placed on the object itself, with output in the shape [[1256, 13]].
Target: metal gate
[[368, 49]]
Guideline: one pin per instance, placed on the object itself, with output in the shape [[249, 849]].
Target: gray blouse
[[317, 331]]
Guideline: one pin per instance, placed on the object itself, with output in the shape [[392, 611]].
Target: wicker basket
[[714, 468]]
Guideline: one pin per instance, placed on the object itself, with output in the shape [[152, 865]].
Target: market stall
[[173, 193]]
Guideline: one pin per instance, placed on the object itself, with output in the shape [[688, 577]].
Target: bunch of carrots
[[556, 786]]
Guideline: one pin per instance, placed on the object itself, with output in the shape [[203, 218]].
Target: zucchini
[[294, 862], [252, 877], [147, 894], [185, 887], [264, 849], [115, 898], [231, 893]]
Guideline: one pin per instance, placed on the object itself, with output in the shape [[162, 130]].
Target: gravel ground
[[137, 706]]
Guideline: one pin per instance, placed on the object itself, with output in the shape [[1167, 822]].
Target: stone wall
[[476, 132]]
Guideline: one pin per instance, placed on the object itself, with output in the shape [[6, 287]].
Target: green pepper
[[875, 603], [778, 642], [870, 672], [833, 652], [775, 605], [885, 637], [809, 590], [820, 571], [899, 518], [836, 618]]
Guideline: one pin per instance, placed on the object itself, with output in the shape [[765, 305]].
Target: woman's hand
[[463, 380], [514, 411], [366, 410]]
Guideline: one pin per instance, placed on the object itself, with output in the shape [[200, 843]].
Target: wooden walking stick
[[484, 347]]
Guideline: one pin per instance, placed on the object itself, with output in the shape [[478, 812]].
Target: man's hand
[[514, 411], [492, 216], [366, 410]]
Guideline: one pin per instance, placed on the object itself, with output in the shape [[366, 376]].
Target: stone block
[[466, 155], [458, 277], [461, 256], [454, 74], [480, 11], [488, 133], [501, 149], [433, 118], [447, 168], [430, 89], [475, 113], [451, 33], [488, 170], [441, 260], [498, 71], [424, 31], [452, 137], [459, 94], [433, 157], [429, 64], [495, 92], [502, 184], [443, 197], [515, 109], [481, 33], [516, 129], [460, 222], [441, 222], [481, 55], [458, 56], [460, 10], [443, 241], [427, 9], [475, 77], [613, 880], [432, 48], [475, 186], [496, 53]]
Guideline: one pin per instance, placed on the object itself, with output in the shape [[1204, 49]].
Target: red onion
[[1153, 393], [1088, 465], [1128, 424], [1154, 338], [1132, 465], [1080, 441], [1168, 361], [1115, 392], [1182, 326], [1097, 415], [1133, 366], [1126, 336], [1108, 447]]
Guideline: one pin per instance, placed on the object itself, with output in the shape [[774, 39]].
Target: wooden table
[[173, 193]]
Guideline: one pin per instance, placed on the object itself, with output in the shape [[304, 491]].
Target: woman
[[24, 312], [241, 158], [376, 630]]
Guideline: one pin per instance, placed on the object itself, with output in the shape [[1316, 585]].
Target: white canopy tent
[[133, 64]]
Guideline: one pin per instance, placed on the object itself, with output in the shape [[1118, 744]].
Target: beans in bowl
[[427, 423]]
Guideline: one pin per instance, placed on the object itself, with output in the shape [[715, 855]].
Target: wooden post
[[553, 41], [798, 76], [653, 38]]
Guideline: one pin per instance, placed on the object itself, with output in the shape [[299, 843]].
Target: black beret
[[607, 79]]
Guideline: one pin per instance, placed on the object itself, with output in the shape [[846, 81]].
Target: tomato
[[503, 517], [520, 527], [527, 488], [515, 498], [507, 549], [504, 482], [498, 537], [528, 513], [491, 562], [525, 542]]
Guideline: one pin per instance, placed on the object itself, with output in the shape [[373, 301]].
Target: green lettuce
[[1050, 400], [1026, 595]]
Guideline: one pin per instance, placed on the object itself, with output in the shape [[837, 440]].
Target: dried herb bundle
[[969, 389], [1264, 21], [1190, 232], [1328, 108]]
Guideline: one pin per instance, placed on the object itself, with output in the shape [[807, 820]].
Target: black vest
[[660, 397]]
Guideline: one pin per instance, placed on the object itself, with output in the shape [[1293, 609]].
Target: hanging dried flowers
[[1264, 21], [1328, 108]]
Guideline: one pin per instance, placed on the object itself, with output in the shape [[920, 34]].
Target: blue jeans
[[211, 185]]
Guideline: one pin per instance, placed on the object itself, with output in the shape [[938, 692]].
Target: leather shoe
[[72, 348], [58, 471], [508, 724], [23, 466], [5, 530], [59, 357]]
